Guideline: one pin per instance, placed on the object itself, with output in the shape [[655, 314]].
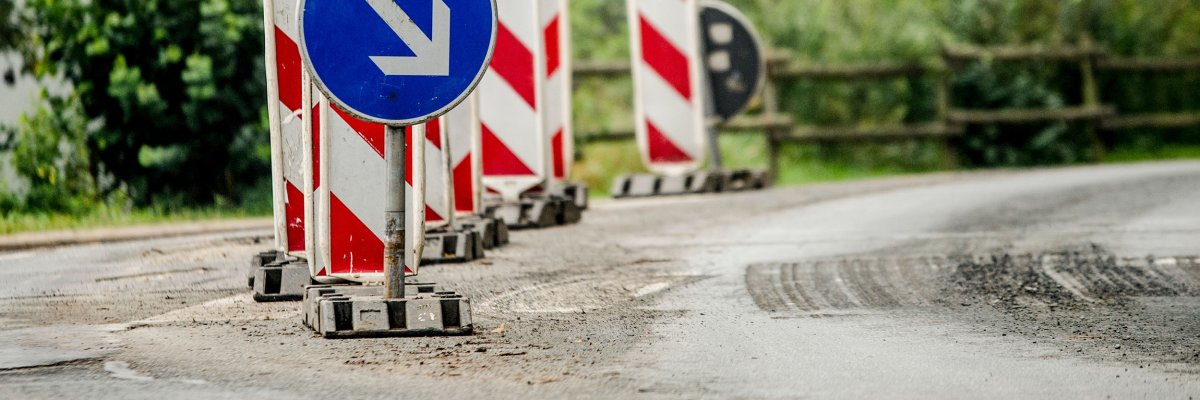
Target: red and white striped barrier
[[510, 94], [463, 131], [667, 82], [290, 112], [556, 47], [353, 168]]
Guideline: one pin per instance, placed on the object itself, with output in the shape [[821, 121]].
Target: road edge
[[38, 240]]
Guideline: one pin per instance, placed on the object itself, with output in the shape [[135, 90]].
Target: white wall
[[19, 99], [14, 102]]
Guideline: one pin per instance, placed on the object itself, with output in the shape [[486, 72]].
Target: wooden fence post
[[771, 112], [1091, 95], [944, 77]]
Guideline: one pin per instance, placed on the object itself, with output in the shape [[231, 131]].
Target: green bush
[[52, 153], [171, 91]]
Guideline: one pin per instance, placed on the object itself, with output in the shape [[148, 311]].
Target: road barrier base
[[694, 183], [492, 232], [537, 211], [312, 298], [335, 311], [452, 245], [569, 212], [261, 259], [578, 193], [280, 281]]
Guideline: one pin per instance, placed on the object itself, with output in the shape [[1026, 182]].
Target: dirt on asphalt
[[1082, 300], [1090, 301]]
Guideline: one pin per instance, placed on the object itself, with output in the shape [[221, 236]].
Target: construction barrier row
[[500, 160]]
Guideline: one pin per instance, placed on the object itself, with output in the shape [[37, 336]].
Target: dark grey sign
[[733, 58]]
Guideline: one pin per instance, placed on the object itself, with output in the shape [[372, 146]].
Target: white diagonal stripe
[[669, 17], [511, 119], [549, 10], [519, 18], [435, 186], [670, 112], [554, 105], [285, 18], [293, 154], [357, 174], [460, 125]]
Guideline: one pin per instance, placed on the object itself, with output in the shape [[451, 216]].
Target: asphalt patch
[[1087, 301], [1070, 278]]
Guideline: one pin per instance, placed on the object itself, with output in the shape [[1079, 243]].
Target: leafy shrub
[[172, 92]]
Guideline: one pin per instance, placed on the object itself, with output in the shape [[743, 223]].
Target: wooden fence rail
[[779, 127]]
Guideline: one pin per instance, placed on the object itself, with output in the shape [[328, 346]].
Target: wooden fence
[[949, 121]]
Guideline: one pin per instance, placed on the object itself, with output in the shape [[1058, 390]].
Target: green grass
[[253, 202], [800, 164], [602, 162], [1173, 152], [110, 217]]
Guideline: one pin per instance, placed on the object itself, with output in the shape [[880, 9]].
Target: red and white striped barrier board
[[463, 132], [556, 84], [666, 77], [352, 203], [510, 94], [289, 90]]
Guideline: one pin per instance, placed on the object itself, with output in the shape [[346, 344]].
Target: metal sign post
[[735, 67], [735, 70], [395, 249], [397, 65]]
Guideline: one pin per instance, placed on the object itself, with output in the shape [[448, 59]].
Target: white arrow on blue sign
[[397, 62]]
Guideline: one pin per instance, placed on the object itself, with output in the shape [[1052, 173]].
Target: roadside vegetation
[[166, 118]]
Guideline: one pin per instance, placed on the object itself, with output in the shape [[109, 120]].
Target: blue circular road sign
[[397, 62]]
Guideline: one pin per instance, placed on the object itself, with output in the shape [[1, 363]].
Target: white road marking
[[121, 370]]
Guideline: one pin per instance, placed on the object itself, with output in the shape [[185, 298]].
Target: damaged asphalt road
[[1080, 282]]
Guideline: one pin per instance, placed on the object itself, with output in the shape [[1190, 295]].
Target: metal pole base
[[693, 183], [362, 312]]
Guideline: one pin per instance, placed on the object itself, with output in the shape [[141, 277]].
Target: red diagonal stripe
[[287, 65], [433, 132], [513, 62], [665, 59], [498, 160], [560, 162], [408, 153], [370, 132], [464, 187], [294, 213], [662, 149], [354, 248], [316, 149], [432, 215], [552, 47]]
